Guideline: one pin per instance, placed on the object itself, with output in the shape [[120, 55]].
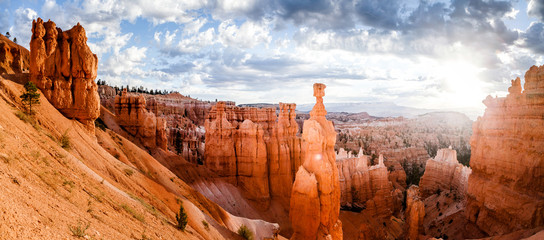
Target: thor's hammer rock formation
[[315, 196]]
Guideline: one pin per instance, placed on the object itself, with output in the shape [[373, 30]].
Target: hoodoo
[[505, 189], [64, 68], [315, 197]]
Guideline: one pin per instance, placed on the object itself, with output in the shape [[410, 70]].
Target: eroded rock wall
[[64, 68], [254, 148], [132, 115], [315, 197], [444, 172], [506, 187], [367, 187], [13, 58]]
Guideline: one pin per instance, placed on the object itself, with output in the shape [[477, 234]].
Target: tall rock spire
[[315, 197]]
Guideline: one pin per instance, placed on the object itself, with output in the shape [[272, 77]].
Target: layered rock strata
[[444, 172], [254, 148], [506, 187], [184, 118], [63, 67], [132, 115], [315, 197]]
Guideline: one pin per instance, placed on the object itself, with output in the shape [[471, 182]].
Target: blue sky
[[426, 54]]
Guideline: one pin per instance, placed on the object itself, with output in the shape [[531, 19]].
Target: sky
[[424, 54]]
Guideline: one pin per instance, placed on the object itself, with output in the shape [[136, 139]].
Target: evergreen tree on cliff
[[30, 96]]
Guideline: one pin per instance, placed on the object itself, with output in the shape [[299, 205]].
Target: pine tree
[[181, 217], [30, 96]]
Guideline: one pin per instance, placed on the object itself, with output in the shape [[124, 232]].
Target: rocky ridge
[[505, 189]]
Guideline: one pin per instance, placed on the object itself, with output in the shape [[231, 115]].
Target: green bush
[[245, 233], [181, 218], [65, 141], [79, 230]]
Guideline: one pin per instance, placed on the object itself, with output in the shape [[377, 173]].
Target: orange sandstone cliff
[[132, 115], [367, 187], [506, 187], [63, 67], [315, 197], [415, 212], [444, 172], [254, 148], [13, 58]]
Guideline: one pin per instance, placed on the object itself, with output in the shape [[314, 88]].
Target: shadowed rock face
[[254, 149], [64, 68], [505, 189], [315, 197]]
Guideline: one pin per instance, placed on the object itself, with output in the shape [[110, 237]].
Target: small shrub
[[129, 171], [64, 141], [245, 233], [206, 225], [100, 124], [79, 230], [133, 213], [27, 119], [181, 218]]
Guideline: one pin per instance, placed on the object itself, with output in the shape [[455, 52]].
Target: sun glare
[[461, 86]]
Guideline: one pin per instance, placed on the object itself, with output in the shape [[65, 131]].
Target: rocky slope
[[124, 195], [505, 189], [315, 197]]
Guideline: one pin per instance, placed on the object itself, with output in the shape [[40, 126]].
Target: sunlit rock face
[[444, 172], [13, 58], [254, 148], [506, 187], [132, 115], [64, 68], [315, 197], [415, 213]]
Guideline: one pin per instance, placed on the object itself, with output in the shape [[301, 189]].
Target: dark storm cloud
[[536, 9], [533, 38], [379, 13]]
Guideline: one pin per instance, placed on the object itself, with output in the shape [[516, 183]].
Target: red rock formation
[[505, 189], [13, 58], [368, 188], [235, 137], [132, 115], [64, 68], [315, 216], [444, 172], [415, 212]]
